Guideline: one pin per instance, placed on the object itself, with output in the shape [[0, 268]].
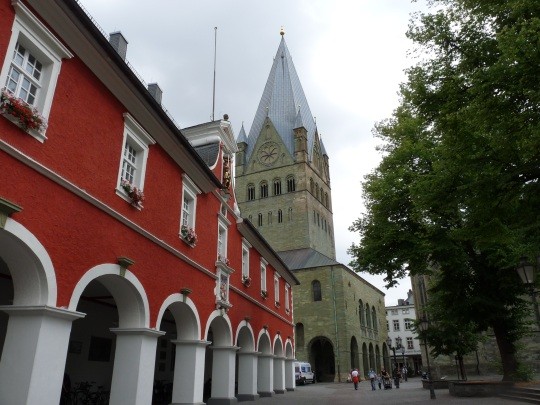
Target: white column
[[188, 381], [290, 382], [247, 376], [279, 375], [265, 375], [134, 362], [223, 365], [34, 354]]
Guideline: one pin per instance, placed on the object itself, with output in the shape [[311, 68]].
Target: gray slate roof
[[208, 153], [305, 258], [282, 97]]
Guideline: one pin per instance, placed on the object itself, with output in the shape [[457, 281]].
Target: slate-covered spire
[[282, 96], [242, 137]]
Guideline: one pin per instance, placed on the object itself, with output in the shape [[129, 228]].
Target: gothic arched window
[[264, 189], [251, 192], [291, 184], [277, 186], [316, 287]]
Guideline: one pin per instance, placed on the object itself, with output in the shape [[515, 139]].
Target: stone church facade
[[282, 184]]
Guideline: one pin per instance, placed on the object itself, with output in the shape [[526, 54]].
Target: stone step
[[523, 394]]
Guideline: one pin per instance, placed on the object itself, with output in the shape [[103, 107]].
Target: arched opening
[[365, 359], [322, 359], [178, 363], [107, 346], [299, 336], [265, 365], [355, 361], [374, 318], [372, 362], [378, 358], [361, 313], [220, 359], [34, 334], [279, 366], [246, 364]]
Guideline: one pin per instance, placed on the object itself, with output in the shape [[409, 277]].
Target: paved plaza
[[410, 392]]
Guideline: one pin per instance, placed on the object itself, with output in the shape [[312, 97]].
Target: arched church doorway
[[322, 359]]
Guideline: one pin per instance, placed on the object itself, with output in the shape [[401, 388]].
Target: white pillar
[[223, 365], [290, 382], [188, 381], [247, 376], [279, 375], [34, 354], [134, 362], [265, 375]]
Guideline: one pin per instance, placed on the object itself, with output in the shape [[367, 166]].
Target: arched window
[[277, 186], [368, 316], [290, 214], [316, 287], [251, 192], [291, 184], [317, 191], [374, 318], [264, 189], [299, 335], [326, 200], [260, 220], [279, 216], [311, 185], [361, 313], [269, 217]]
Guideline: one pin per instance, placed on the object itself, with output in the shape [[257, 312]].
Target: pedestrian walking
[[372, 375], [355, 378]]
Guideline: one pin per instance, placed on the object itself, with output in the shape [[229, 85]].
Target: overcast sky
[[350, 56]]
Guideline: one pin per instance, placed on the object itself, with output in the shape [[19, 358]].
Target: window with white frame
[[264, 263], [396, 325], [405, 311], [287, 298], [222, 239], [189, 204], [134, 156], [410, 343], [245, 260], [276, 288], [31, 67], [408, 324]]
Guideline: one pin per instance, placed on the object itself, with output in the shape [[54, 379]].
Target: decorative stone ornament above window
[[30, 72]]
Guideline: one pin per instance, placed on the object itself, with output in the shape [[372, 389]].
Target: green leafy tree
[[458, 188]]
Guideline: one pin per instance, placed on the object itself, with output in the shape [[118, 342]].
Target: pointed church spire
[[242, 135], [281, 97]]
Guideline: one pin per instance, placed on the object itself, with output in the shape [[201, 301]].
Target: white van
[[303, 373]]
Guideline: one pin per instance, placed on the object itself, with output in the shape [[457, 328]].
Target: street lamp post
[[424, 325], [526, 273], [394, 370], [404, 366]]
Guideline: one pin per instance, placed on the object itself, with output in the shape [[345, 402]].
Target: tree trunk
[[507, 350]]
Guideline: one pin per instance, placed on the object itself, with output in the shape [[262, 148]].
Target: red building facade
[[123, 257]]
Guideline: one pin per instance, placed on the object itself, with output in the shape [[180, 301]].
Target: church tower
[[282, 172]]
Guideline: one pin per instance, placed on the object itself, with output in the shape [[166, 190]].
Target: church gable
[[269, 150]]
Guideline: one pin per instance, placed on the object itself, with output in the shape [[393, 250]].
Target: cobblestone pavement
[[410, 392]]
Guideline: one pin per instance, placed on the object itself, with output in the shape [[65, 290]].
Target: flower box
[[188, 235], [246, 280], [22, 114], [223, 260], [135, 194]]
